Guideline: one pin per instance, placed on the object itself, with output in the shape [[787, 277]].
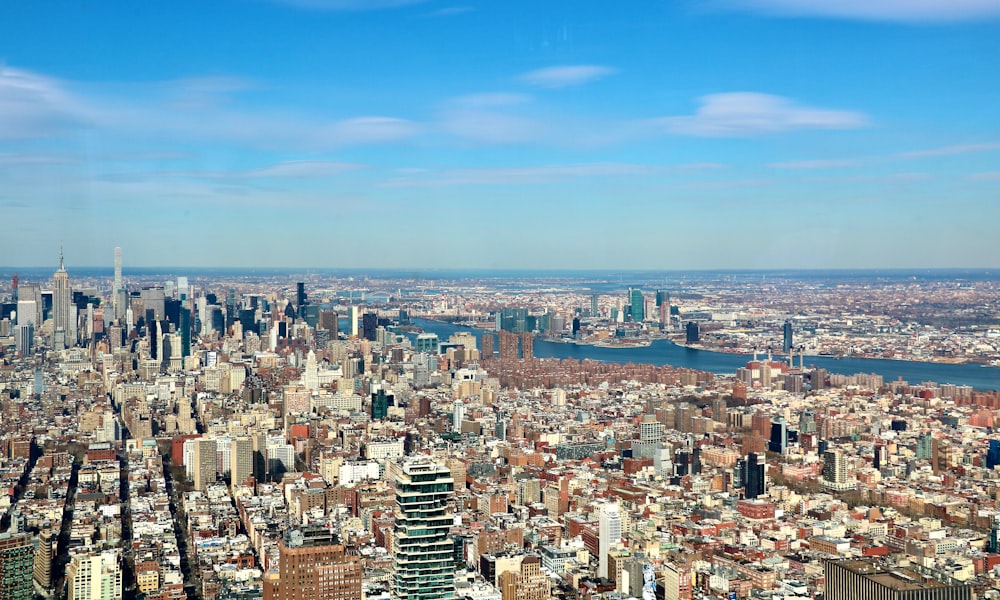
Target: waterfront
[[665, 352]]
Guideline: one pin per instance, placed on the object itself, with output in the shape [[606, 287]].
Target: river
[[665, 352]]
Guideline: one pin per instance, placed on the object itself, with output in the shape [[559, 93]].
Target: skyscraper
[[61, 300], [835, 470], [753, 477], [241, 460], [787, 343], [369, 323], [993, 454], [637, 305], [779, 435], [17, 557], [691, 332], [313, 565], [852, 579], [609, 524], [119, 300], [205, 463], [423, 559]]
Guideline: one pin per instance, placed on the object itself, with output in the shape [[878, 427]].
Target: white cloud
[[541, 174], [747, 114], [950, 150], [489, 118], [565, 76], [907, 11], [822, 163], [304, 168], [33, 105], [987, 176]]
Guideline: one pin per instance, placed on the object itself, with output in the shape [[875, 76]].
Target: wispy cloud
[[748, 114], [304, 168], [541, 174], [295, 169], [907, 11], [565, 76], [950, 150], [489, 118], [987, 176], [823, 163], [35, 106], [32, 105], [348, 5], [450, 11]]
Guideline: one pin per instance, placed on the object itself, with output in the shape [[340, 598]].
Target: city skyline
[[755, 134]]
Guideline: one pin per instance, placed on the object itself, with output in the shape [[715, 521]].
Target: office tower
[[94, 576], [313, 565], [61, 300], [787, 342], [24, 338], [423, 559], [609, 524], [300, 294], [427, 342], [185, 329], [595, 308], [369, 323], [637, 305], [205, 463], [26, 313], [692, 333], [329, 321], [576, 326], [241, 460], [853, 579], [753, 477], [779, 435], [44, 554], [514, 320], [380, 405], [526, 583], [663, 306], [17, 557], [993, 454], [153, 298], [352, 319]]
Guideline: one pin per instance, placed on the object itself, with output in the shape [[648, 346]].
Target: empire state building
[[61, 300]]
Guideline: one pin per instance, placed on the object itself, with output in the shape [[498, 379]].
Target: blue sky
[[587, 134]]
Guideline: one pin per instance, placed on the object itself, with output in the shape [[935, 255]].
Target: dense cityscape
[[233, 436], [500, 300]]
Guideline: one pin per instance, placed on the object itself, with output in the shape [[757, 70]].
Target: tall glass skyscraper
[[424, 561]]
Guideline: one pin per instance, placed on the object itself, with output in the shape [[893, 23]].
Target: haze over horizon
[[408, 134]]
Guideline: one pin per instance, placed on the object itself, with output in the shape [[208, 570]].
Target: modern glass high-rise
[[17, 557], [637, 305], [423, 558], [786, 345], [993, 454]]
